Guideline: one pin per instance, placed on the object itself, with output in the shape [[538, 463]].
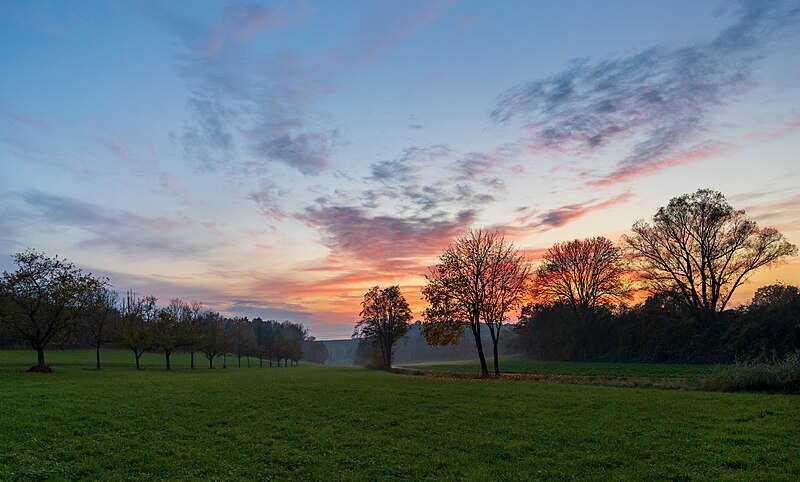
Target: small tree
[[699, 249], [135, 330], [101, 317], [45, 298], [214, 341], [170, 328], [385, 317]]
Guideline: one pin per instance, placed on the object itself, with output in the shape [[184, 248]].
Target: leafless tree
[[698, 250]]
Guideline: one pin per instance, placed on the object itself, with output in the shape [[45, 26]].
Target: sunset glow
[[278, 159]]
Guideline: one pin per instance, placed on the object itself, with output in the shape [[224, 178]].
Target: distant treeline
[[662, 330], [48, 302]]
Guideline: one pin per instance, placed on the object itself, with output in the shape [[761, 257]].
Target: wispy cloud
[[661, 98], [386, 27], [535, 221], [124, 231], [383, 238]]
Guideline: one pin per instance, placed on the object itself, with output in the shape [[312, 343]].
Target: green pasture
[[588, 369], [323, 423]]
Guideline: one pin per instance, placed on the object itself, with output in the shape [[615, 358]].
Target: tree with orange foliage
[[583, 274], [479, 279]]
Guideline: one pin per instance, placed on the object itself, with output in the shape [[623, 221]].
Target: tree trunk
[[496, 361], [97, 364], [137, 359], [224, 360], [476, 332], [167, 353], [192, 359], [260, 362], [211, 362], [40, 358], [240, 360], [248, 361]]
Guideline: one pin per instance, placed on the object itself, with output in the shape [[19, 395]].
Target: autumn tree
[[135, 330], [215, 340], [385, 315], [583, 274], [44, 298], [170, 328], [192, 330], [242, 338], [479, 278], [100, 318], [698, 249]]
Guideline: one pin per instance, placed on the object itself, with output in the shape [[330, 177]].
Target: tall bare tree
[[479, 278], [698, 250], [583, 273], [384, 320], [45, 298]]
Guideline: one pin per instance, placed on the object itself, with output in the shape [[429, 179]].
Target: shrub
[[759, 375]]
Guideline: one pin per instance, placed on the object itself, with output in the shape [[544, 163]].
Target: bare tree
[[384, 320], [45, 298], [479, 278], [699, 249], [584, 274], [101, 315]]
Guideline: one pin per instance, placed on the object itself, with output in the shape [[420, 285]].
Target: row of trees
[[692, 256], [661, 330], [48, 300]]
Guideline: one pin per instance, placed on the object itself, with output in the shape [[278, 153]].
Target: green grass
[[519, 364], [323, 423]]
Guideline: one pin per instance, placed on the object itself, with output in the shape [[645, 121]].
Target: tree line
[[48, 301], [689, 259]]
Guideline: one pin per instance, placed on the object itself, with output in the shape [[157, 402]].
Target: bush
[[780, 376]]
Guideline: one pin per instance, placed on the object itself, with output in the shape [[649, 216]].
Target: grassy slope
[[327, 423]]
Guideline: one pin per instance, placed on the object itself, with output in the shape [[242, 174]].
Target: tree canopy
[[698, 249], [385, 315]]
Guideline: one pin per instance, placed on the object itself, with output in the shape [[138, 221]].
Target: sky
[[278, 159]]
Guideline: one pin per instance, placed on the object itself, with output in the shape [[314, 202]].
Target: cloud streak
[[661, 99], [124, 231]]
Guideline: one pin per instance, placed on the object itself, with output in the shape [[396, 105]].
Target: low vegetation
[[322, 423]]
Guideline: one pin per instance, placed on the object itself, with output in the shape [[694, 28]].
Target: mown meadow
[[323, 423]]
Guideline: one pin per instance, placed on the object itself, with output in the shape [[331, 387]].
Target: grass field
[[323, 423], [590, 369]]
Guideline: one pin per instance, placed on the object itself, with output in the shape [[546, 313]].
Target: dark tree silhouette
[[170, 328], [583, 273], [101, 317], [135, 331], [699, 249], [479, 277], [215, 340], [45, 298], [385, 315]]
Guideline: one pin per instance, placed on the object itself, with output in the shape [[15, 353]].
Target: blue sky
[[277, 159]]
